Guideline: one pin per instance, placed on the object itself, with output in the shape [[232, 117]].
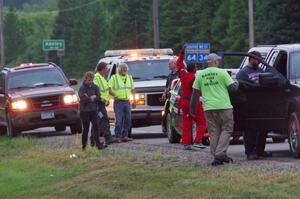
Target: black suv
[[37, 95]]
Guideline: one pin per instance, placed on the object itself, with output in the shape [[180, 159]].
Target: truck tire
[[294, 134], [76, 128], [173, 136], [11, 130], [60, 128]]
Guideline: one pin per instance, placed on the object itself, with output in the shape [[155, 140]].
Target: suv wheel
[[294, 134], [11, 130], [173, 136], [76, 128], [3, 130], [60, 128]]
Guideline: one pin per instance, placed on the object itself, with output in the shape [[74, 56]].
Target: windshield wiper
[[48, 84], [21, 87], [160, 76], [136, 78]]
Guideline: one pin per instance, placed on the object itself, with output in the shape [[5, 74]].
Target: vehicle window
[[2, 82], [148, 69], [295, 63], [273, 58], [36, 78], [281, 63]]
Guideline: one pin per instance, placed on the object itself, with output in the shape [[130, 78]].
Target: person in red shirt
[[187, 78]]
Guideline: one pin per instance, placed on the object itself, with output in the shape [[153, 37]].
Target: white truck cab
[[149, 70]]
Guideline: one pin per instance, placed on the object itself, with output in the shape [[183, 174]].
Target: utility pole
[[2, 35], [155, 23], [251, 23]]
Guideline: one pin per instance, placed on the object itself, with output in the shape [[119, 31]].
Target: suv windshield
[[148, 69], [36, 78]]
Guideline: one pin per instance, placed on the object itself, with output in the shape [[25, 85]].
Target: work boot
[[102, 146], [111, 140], [199, 145], [187, 147], [252, 157], [92, 141], [265, 154], [216, 162]]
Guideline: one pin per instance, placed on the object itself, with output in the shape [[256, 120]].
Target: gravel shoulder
[[158, 149]]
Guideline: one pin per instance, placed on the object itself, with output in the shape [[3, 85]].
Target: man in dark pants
[[101, 82], [254, 142], [172, 75], [89, 95]]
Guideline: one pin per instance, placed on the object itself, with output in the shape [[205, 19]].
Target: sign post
[[54, 45], [197, 52]]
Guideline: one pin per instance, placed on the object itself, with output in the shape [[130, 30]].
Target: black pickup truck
[[273, 105]]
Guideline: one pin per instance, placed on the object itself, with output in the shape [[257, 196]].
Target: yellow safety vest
[[100, 81], [121, 89]]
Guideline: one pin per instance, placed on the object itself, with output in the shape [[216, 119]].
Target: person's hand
[[133, 104], [93, 97], [163, 97]]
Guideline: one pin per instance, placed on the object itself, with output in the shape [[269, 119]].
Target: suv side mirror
[[268, 79], [72, 82]]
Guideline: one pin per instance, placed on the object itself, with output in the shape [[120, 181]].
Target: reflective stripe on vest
[[124, 87], [104, 91]]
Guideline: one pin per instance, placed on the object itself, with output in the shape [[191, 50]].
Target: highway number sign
[[197, 52]]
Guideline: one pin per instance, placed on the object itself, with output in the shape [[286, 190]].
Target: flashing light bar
[[139, 52]]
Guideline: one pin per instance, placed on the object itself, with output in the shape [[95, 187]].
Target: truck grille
[[153, 100], [45, 101]]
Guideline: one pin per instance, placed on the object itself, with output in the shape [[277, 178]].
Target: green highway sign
[[49, 45]]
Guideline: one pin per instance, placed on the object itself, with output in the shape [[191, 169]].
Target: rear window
[[36, 78]]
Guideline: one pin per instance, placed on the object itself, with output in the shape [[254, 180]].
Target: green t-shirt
[[213, 83]]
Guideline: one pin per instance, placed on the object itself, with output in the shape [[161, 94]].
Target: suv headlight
[[138, 97], [19, 105], [70, 99]]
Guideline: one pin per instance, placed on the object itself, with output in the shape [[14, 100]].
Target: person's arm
[[194, 101], [83, 95], [111, 83], [179, 64], [233, 87], [98, 94]]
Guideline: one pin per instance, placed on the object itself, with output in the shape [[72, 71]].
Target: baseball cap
[[213, 57], [256, 53]]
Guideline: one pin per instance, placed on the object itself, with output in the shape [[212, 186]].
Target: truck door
[[262, 107]]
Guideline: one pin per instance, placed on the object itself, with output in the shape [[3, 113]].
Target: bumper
[[142, 117], [32, 120]]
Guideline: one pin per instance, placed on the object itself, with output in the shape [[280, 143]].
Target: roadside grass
[[28, 169]]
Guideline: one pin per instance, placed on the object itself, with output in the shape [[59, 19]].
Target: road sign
[[49, 45], [197, 52]]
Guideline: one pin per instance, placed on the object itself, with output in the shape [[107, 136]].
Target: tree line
[[90, 27]]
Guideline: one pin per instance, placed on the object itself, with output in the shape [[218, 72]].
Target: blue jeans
[[123, 118]]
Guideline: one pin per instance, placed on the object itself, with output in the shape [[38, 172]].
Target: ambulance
[[149, 69]]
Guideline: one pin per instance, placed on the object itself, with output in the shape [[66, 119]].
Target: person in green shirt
[[215, 84]]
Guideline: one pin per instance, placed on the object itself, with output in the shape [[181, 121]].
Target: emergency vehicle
[[149, 70]]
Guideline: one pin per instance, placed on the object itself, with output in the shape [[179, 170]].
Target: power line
[[63, 10]]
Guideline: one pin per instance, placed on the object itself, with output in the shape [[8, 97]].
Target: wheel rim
[[293, 135]]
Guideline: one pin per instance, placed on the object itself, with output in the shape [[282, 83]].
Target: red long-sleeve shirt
[[186, 78]]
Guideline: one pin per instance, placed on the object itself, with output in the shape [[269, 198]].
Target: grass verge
[[30, 170]]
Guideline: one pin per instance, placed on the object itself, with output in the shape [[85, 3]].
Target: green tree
[[14, 39]]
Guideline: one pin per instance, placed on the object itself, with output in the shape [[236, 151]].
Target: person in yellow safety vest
[[103, 120], [121, 87]]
